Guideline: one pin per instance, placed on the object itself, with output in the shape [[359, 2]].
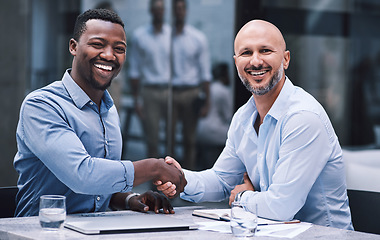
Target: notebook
[[128, 224]]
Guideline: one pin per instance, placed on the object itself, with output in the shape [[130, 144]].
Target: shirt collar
[[279, 106], [79, 97]]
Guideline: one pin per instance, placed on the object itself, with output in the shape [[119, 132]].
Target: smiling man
[[281, 145], [68, 135]]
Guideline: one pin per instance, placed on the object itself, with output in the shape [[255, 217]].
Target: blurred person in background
[[149, 73], [212, 129], [190, 82]]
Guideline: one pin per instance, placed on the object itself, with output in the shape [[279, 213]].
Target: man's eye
[[246, 53], [120, 50], [266, 50], [96, 45]]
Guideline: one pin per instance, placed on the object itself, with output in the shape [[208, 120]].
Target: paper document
[[224, 215], [276, 230]]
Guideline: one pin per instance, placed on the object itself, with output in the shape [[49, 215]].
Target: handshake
[[170, 188], [166, 174]]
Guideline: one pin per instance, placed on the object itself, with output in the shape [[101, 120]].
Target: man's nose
[[108, 54], [256, 59]]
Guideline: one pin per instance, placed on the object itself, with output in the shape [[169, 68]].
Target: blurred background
[[334, 45]]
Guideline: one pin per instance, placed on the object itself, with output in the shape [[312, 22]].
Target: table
[[29, 228]]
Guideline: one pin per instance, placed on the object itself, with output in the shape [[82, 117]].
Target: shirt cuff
[[248, 196], [129, 175], [188, 187]]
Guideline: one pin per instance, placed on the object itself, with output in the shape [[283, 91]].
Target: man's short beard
[[96, 85], [259, 91]]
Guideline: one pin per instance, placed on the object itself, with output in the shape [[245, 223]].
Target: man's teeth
[[104, 67], [257, 73]]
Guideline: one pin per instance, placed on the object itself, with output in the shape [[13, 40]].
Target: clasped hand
[[170, 190], [170, 185], [167, 187]]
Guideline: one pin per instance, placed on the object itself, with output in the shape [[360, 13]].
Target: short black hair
[[101, 14]]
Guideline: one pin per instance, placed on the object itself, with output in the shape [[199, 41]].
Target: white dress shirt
[[191, 58], [149, 55]]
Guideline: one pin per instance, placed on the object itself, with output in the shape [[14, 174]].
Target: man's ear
[[73, 46], [286, 59]]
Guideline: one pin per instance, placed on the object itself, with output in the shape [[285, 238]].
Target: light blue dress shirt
[[295, 163], [67, 146]]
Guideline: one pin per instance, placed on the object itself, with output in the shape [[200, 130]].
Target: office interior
[[334, 45]]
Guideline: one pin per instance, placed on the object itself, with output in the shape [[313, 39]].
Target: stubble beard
[[97, 85], [259, 91]]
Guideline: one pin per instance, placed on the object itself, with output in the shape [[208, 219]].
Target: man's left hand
[[150, 201], [247, 185]]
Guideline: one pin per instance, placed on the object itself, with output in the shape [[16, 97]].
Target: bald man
[[282, 152]]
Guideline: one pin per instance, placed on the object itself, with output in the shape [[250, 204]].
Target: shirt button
[[98, 198], [91, 103], [106, 142]]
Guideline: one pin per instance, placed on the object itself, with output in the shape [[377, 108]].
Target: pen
[[293, 221], [287, 222], [226, 219]]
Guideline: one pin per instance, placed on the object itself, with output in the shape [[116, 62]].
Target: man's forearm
[[145, 170]]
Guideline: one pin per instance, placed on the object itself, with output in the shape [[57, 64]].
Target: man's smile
[[257, 73], [103, 67]]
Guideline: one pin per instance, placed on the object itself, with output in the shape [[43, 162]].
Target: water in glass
[[52, 218], [52, 213], [243, 221]]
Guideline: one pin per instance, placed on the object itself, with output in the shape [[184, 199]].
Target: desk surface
[[29, 228]]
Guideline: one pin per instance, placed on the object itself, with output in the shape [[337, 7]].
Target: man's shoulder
[[52, 91], [301, 107], [300, 100]]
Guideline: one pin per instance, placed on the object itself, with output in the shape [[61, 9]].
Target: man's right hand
[[166, 185], [158, 170], [168, 188]]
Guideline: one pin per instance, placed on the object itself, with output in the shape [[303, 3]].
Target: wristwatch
[[239, 195], [129, 198]]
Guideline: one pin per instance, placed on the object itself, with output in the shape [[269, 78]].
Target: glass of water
[[243, 219], [52, 213]]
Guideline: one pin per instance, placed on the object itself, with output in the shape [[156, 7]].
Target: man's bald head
[[258, 28]]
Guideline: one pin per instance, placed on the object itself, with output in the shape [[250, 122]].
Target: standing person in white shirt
[[191, 79], [149, 73], [281, 138]]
